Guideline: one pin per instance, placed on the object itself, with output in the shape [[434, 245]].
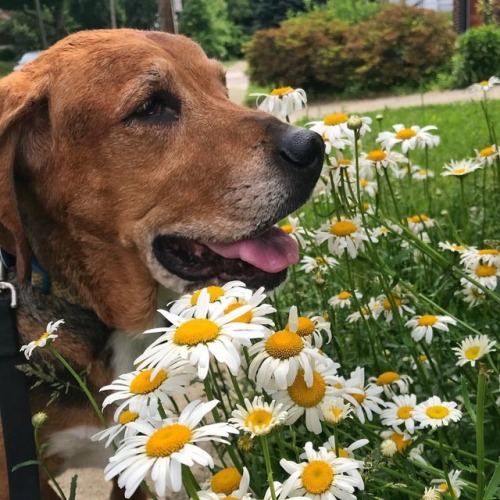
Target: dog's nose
[[302, 148]]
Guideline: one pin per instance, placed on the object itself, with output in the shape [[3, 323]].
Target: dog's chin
[[195, 265]]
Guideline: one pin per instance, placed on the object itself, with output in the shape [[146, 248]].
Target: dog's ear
[[19, 95]]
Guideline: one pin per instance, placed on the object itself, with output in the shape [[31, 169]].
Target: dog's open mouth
[[257, 261]]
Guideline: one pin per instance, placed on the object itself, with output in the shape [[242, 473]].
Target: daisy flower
[[473, 348], [486, 274], [436, 413], [424, 325], [228, 483], [364, 398], [309, 328], [278, 359], [368, 187], [335, 410], [421, 360], [409, 138], [210, 332], [485, 85], [391, 380], [419, 223], [321, 263], [295, 230], [372, 310], [399, 411], [257, 315], [141, 390], [282, 101], [431, 494], [322, 475], [46, 338], [161, 449], [451, 247], [472, 257], [421, 174], [388, 448], [258, 417], [344, 236], [299, 399], [487, 156], [400, 439], [386, 230], [343, 299], [347, 452], [399, 302], [472, 295], [461, 167], [455, 482], [381, 160]]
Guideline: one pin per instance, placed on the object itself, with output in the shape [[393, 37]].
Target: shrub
[[478, 55], [302, 52], [398, 46]]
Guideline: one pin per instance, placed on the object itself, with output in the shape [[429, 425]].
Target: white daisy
[[399, 411], [141, 390], [420, 173], [258, 417], [399, 302], [388, 448], [436, 413], [278, 359], [210, 332], [259, 311], [309, 328], [456, 483], [472, 295], [472, 257], [368, 187], [228, 483], [347, 452], [282, 101], [392, 380], [473, 348], [487, 156], [461, 167], [431, 494], [385, 230], [343, 299], [419, 223], [485, 274], [321, 476], [46, 338], [485, 85], [400, 439], [335, 410], [423, 326], [344, 236], [452, 247], [299, 399], [409, 138], [381, 160], [162, 449], [320, 263], [295, 230], [373, 309]]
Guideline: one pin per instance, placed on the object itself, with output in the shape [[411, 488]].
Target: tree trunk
[[167, 16]]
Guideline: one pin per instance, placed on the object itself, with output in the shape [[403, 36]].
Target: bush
[[478, 55], [302, 52], [399, 45]]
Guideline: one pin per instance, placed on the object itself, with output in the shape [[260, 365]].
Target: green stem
[[481, 391], [444, 463], [465, 221], [269, 469], [187, 480]]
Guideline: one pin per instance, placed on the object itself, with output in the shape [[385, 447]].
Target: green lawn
[[6, 67]]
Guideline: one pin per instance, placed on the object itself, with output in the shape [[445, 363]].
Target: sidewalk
[[237, 82]]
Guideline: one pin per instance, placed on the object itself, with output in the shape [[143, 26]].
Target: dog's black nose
[[302, 148]]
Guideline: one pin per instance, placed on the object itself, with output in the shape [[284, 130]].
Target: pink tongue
[[272, 251]]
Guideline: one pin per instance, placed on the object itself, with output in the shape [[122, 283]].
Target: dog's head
[[124, 164]]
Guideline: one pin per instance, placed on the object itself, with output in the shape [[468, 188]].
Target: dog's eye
[[159, 108]]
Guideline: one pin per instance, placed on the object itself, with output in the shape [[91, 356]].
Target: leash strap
[[15, 409]]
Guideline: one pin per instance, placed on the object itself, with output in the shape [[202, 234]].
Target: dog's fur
[[109, 141]]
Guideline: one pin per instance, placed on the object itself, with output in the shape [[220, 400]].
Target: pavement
[[91, 484]]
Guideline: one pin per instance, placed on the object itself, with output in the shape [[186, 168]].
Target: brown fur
[[85, 189]]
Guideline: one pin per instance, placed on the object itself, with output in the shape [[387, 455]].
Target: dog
[[127, 172]]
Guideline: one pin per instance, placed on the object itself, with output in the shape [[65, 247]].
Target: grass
[[6, 67]]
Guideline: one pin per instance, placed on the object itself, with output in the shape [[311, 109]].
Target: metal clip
[[13, 294]]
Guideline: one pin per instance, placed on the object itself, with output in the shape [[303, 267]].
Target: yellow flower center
[[443, 487], [230, 498], [488, 251], [401, 443], [387, 378], [459, 170], [344, 295], [214, 292], [359, 398], [282, 91], [343, 453], [487, 152], [418, 218], [306, 326], [320, 261], [483, 83], [363, 183], [484, 270], [287, 228], [258, 419], [337, 412], [405, 133], [343, 228], [335, 119], [196, 331], [226, 481], [142, 383], [376, 155], [427, 320], [127, 416], [387, 303], [42, 337], [437, 412], [168, 440], [422, 358], [317, 477], [422, 172], [284, 344], [472, 353], [244, 318], [307, 397], [343, 162], [404, 412]]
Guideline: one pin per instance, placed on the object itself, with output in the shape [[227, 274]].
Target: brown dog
[[125, 168]]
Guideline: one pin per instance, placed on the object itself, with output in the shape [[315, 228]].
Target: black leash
[[15, 409]]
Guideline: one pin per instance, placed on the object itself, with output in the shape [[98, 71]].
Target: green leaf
[[72, 488], [467, 403], [492, 489], [26, 464], [469, 468]]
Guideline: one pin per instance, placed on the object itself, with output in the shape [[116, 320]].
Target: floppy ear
[[19, 94]]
